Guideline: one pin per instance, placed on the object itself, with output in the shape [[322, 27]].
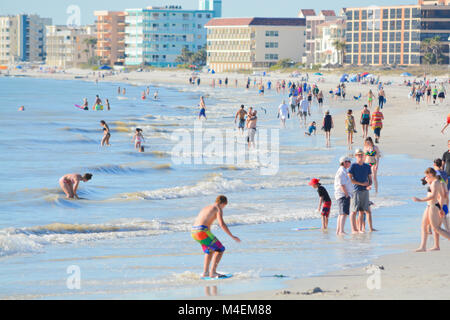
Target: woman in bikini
[[69, 184], [370, 98], [433, 214], [372, 158]]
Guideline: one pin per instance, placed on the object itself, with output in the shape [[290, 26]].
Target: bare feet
[[435, 249], [421, 250]]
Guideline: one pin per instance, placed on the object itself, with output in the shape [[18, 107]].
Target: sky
[[57, 9]]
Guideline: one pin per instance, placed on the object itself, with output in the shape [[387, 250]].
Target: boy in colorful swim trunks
[[211, 246], [325, 200]]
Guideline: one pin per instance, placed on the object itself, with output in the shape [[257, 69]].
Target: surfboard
[[226, 276], [305, 229], [79, 107]]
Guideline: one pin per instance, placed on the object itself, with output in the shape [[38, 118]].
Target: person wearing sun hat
[[343, 191], [360, 174], [324, 199]]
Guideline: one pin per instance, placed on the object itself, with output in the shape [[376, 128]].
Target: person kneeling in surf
[[211, 246]]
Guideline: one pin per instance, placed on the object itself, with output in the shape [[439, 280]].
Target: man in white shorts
[[305, 110], [251, 127], [283, 113]]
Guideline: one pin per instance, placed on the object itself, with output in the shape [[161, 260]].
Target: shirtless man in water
[[241, 114], [201, 233], [69, 184], [433, 214]]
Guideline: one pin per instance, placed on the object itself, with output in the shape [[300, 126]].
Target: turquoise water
[[130, 238]]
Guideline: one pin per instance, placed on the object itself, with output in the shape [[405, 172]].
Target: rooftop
[[222, 22]]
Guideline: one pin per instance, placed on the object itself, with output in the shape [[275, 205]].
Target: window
[[385, 25], [407, 13], [348, 37], [270, 56], [398, 25], [384, 48], [355, 37], [271, 33], [364, 26], [405, 59], [355, 48], [415, 59], [376, 59], [271, 44], [385, 36], [363, 48], [363, 37], [369, 59], [407, 24], [369, 48], [356, 26], [398, 36], [392, 13], [391, 59], [356, 14], [399, 13], [363, 58], [370, 36], [385, 14], [376, 36], [391, 47], [406, 47], [406, 36], [364, 14]]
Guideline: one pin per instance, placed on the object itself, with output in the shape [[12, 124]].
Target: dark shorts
[[344, 206], [202, 113], [242, 124], [326, 209], [320, 100], [377, 131], [441, 95], [365, 121]]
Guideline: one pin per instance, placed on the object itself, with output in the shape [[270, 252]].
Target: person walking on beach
[[365, 121], [69, 183], [343, 191], [202, 108], [446, 125], [325, 200], [251, 128], [372, 158], [201, 232], [108, 106], [360, 175], [350, 128], [442, 93], [327, 125], [241, 113], [283, 113], [376, 123], [305, 110], [444, 179], [446, 159], [106, 134], [433, 213], [320, 99], [381, 97]]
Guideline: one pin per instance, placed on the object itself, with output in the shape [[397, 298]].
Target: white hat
[[359, 151], [344, 159]]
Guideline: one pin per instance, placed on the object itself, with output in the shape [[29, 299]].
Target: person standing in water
[[108, 106], [372, 158], [377, 123], [325, 200], [85, 104], [202, 108], [365, 121], [350, 128], [283, 113], [433, 213], [69, 184], [106, 134], [327, 125], [251, 128], [138, 139], [201, 232], [241, 114]]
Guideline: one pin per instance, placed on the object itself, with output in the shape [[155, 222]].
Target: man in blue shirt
[[360, 174]]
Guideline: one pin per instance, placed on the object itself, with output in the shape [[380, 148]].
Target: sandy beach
[[408, 129]]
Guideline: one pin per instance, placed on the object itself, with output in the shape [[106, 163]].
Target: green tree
[[432, 50], [185, 57]]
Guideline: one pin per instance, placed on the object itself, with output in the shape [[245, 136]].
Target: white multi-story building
[[156, 36], [328, 34], [68, 47], [22, 38], [248, 43]]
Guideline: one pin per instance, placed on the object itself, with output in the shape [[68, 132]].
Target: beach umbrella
[[353, 79], [105, 68], [406, 74], [318, 74], [3, 67]]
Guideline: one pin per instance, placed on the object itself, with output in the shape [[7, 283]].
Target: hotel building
[[325, 50], [156, 36], [247, 43], [67, 47], [22, 38], [312, 22], [110, 37], [392, 35]]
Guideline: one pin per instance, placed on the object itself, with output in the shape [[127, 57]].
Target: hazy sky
[[56, 9]]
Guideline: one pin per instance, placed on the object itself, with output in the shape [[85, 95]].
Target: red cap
[[314, 182]]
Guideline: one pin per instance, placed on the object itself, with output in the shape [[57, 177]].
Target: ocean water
[[129, 237]]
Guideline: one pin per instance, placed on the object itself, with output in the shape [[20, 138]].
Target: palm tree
[[340, 47], [91, 44], [431, 47]]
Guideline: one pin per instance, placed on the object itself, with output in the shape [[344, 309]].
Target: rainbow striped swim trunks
[[209, 242]]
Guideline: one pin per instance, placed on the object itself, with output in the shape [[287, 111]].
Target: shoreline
[[422, 277]]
